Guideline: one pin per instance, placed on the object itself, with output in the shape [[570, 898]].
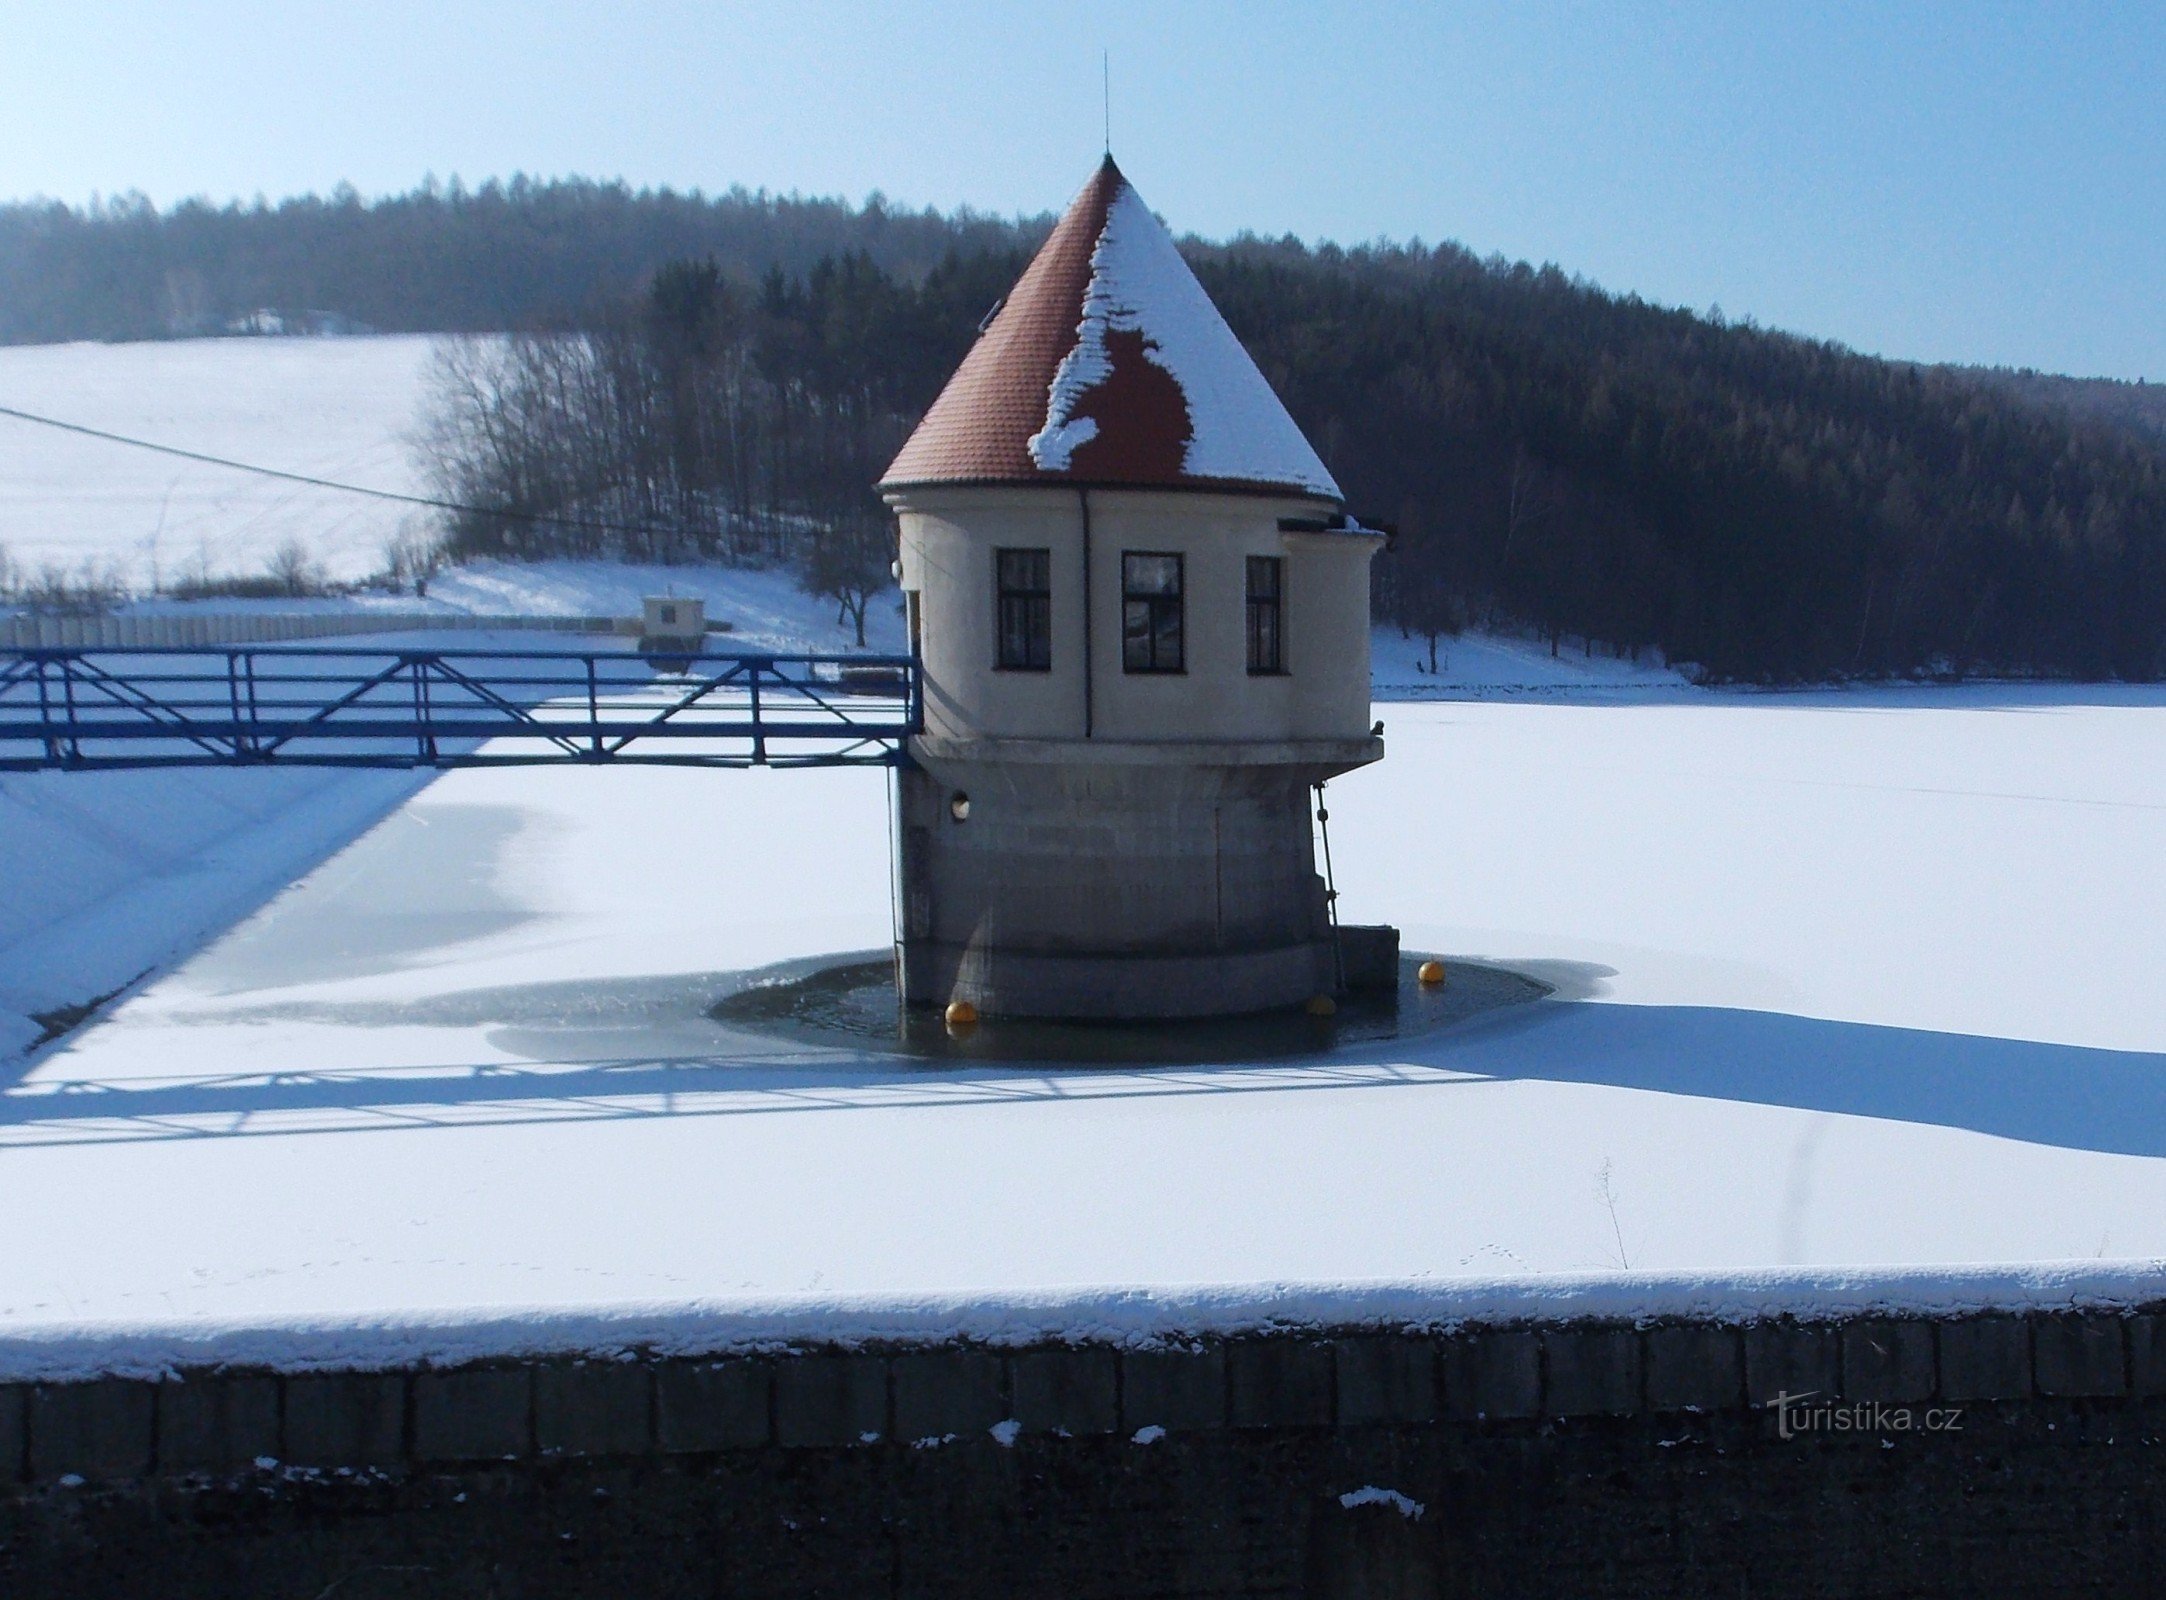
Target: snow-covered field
[[342, 409], [765, 610], [1857, 1005]]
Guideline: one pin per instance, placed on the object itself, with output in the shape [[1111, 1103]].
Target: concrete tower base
[[1110, 880]]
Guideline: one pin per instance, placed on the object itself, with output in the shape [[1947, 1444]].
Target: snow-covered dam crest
[[1133, 1318]]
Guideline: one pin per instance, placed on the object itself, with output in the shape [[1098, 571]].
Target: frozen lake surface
[[1857, 1004]]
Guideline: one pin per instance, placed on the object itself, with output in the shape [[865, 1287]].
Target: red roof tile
[[1107, 364]]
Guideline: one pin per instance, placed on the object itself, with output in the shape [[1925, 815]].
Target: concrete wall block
[[941, 1392], [831, 1400], [473, 1414], [1694, 1368], [1386, 1379], [14, 1431], [345, 1419], [1369, 957], [1073, 1390], [594, 1408], [1792, 1358], [713, 1405], [2147, 1355], [1985, 1358], [1494, 1373], [1179, 1390], [214, 1423], [1591, 1371], [100, 1429], [1279, 1383], [2080, 1355], [1887, 1360]]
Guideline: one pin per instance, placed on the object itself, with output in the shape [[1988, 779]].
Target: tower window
[[1024, 580], [1266, 614], [1150, 612]]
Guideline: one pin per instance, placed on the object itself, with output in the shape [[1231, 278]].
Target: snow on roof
[[1108, 364]]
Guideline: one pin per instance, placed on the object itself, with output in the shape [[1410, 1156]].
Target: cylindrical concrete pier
[[1114, 881]]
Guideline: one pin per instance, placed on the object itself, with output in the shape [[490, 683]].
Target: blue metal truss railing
[[346, 706]]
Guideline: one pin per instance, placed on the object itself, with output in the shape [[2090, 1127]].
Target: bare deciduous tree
[[850, 562], [293, 572], [688, 426]]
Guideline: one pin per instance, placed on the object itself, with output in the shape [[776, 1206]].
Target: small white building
[[674, 617], [1144, 623]]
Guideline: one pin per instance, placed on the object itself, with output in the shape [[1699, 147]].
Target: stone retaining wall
[[822, 1399], [1569, 1459]]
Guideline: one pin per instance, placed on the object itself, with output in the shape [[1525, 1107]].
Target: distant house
[[316, 324]]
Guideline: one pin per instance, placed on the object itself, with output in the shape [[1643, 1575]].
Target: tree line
[[698, 421], [443, 258], [725, 377], [1768, 506]]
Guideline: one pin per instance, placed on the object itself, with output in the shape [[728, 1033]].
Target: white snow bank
[[63, 1350], [1476, 665], [1140, 284], [766, 609]]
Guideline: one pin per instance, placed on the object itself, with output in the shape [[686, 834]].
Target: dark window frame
[[1023, 609], [1154, 608], [1266, 618]]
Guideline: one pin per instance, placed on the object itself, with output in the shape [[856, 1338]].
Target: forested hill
[[437, 260], [1551, 455], [2140, 406], [1766, 505]]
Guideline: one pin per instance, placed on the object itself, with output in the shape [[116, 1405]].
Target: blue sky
[[1980, 182]]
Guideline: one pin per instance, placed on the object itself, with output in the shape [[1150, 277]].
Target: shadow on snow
[[2075, 1097]]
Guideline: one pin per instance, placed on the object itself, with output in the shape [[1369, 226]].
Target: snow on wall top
[[1108, 364], [1136, 1317]]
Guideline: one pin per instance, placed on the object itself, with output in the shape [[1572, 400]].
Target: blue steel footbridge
[[355, 706]]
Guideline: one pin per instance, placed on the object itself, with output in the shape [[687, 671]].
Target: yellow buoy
[[1323, 1006], [1430, 972], [961, 1013]]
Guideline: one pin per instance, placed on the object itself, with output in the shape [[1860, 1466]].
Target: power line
[[318, 483]]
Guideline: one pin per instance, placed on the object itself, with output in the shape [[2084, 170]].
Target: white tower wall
[[1085, 841]]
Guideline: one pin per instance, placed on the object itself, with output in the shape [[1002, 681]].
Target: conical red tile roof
[[1108, 364]]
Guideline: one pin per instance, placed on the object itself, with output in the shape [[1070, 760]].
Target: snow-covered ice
[[1857, 1006], [111, 875]]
